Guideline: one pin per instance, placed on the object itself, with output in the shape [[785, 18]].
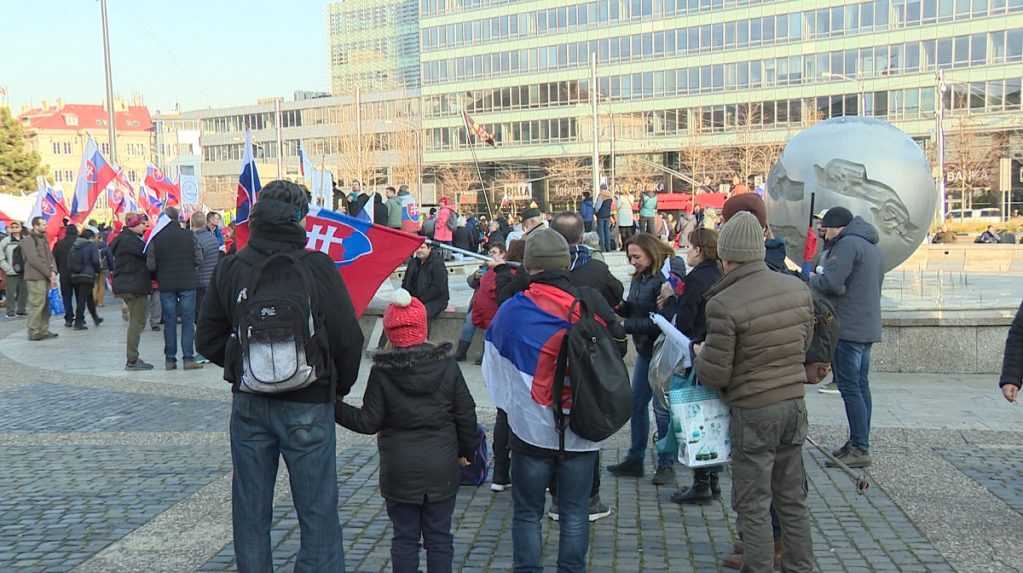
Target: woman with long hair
[[647, 255], [687, 311]]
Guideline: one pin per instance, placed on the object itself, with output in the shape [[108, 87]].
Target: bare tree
[[454, 181], [702, 161], [970, 163], [355, 157], [637, 176], [406, 145], [567, 178]]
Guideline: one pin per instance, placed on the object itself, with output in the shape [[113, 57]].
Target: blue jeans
[[639, 425], [575, 478], [852, 374], [604, 232], [468, 328], [262, 430], [172, 303]]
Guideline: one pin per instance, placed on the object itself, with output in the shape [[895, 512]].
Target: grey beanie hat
[[546, 250], [741, 239]]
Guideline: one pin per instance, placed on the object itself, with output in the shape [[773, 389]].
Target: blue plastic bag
[[56, 302]]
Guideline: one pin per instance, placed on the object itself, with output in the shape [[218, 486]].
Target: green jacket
[[648, 206], [394, 212]]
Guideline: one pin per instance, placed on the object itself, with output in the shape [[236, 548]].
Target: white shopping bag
[[700, 421]]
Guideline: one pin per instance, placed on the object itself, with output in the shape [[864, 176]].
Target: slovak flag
[[150, 202], [51, 207], [519, 364], [248, 191], [409, 214], [94, 175], [121, 197], [168, 191], [365, 254]]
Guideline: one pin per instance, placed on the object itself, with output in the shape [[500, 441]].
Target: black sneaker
[[97, 321], [138, 365], [715, 485], [842, 451], [81, 327], [155, 328], [598, 509], [699, 493], [628, 468], [170, 365]]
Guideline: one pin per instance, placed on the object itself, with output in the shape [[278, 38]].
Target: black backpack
[[74, 260], [18, 260], [825, 325], [599, 388], [281, 330]]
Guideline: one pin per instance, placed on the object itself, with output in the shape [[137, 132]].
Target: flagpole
[[475, 160], [111, 131], [448, 247]]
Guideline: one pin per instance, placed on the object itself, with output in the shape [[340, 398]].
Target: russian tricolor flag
[[519, 361], [248, 192], [94, 175]]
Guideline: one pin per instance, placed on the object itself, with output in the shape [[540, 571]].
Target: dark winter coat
[[174, 255], [1012, 362], [636, 311], [131, 276], [219, 315], [851, 280], [83, 261], [61, 250], [428, 281], [463, 239], [587, 271], [210, 251], [586, 210], [689, 307], [774, 254], [380, 213], [420, 408], [39, 263]]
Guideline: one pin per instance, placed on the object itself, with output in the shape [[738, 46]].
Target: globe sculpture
[[865, 165]]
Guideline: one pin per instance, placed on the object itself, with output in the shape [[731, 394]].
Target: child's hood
[[417, 370]]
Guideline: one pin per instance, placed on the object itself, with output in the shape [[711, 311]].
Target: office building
[[678, 76], [376, 142], [374, 45]]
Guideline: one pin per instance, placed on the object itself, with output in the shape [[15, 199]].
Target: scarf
[[275, 227], [579, 255]]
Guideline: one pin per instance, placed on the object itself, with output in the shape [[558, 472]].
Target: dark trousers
[[502, 455], [587, 226], [83, 299], [431, 522], [67, 292], [626, 233]]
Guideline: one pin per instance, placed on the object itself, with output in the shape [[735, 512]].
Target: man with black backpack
[[280, 322], [553, 362]]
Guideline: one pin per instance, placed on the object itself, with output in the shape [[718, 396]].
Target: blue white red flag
[[94, 175], [248, 192], [366, 212], [168, 191], [519, 364], [409, 214], [365, 254]]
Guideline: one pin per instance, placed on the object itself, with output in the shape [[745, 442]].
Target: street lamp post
[[939, 136]]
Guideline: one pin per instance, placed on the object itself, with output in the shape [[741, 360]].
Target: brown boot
[[778, 550], [735, 560]]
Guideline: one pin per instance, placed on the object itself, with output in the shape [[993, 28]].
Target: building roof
[[86, 116]]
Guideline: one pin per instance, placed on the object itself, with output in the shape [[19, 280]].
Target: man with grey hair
[[532, 219]]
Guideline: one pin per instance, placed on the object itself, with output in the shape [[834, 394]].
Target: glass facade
[[374, 44], [667, 69]]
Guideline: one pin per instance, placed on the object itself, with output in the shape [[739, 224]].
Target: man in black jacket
[[298, 424], [174, 255], [133, 283], [583, 269], [426, 278], [61, 252]]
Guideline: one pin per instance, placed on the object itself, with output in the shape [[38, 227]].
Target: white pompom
[[401, 298]]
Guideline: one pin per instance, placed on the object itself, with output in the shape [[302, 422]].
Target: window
[[962, 51], [978, 49]]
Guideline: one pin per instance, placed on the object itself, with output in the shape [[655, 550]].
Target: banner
[[189, 189]]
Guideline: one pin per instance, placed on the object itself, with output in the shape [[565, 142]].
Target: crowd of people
[[756, 329]]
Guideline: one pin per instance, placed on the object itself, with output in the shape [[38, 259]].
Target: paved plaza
[[106, 471]]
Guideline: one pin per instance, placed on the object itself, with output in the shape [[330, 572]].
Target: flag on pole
[[810, 245], [320, 182], [161, 224], [478, 130], [365, 254], [365, 213], [248, 192], [94, 175], [168, 191], [51, 207]]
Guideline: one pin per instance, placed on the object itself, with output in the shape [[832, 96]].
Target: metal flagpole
[[111, 131], [448, 247], [280, 141], [939, 135], [594, 96], [475, 160]]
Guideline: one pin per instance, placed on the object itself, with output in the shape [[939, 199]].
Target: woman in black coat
[[426, 278], [688, 312], [646, 254], [84, 266], [418, 405]]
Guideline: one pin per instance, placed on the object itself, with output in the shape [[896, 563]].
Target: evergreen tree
[[19, 165]]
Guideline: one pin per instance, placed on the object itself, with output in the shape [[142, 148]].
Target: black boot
[[715, 485], [463, 349], [698, 493], [628, 468]]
